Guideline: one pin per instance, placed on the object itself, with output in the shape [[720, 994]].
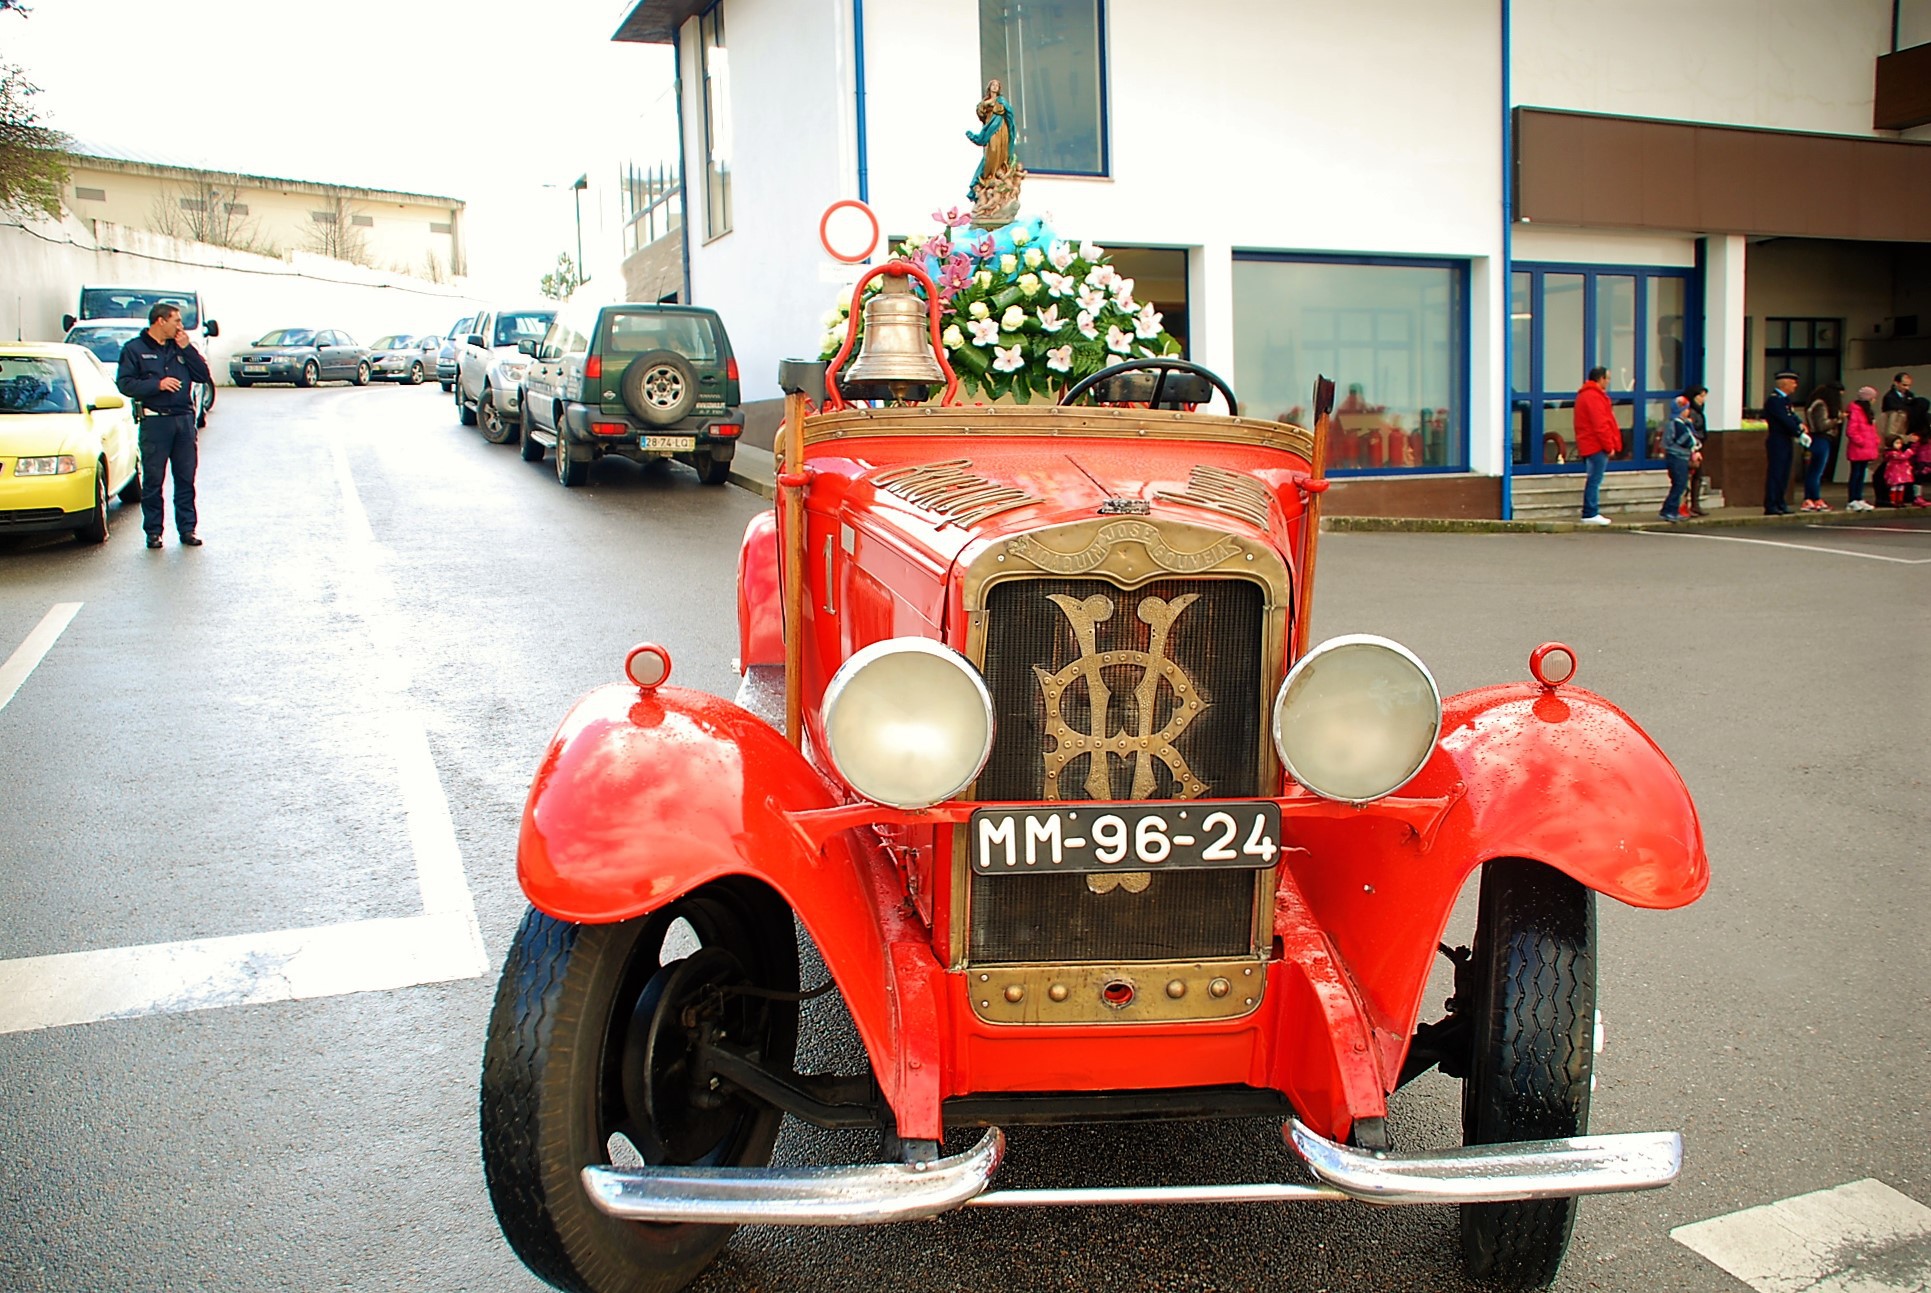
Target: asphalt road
[[210, 750]]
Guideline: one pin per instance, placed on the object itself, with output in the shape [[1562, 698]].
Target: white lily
[[985, 332], [1089, 251], [1057, 284], [1086, 328], [1060, 358], [1062, 256], [1092, 299], [1008, 359], [1147, 323], [1049, 320], [1119, 340]]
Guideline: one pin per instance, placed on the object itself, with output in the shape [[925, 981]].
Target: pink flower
[[984, 248], [1119, 341], [936, 246], [957, 273], [952, 218]]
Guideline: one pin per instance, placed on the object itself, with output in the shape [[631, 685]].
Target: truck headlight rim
[[911, 676], [1399, 658]]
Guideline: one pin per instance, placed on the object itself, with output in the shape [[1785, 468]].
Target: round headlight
[[1356, 718], [908, 722]]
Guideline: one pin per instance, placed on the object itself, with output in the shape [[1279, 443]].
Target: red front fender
[[760, 595], [644, 796], [1564, 778]]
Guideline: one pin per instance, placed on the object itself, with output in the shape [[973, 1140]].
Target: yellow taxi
[[68, 440]]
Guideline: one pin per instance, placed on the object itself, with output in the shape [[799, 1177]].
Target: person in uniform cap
[[1780, 445]]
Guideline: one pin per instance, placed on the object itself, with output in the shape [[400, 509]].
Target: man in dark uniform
[[159, 367], [1780, 445]]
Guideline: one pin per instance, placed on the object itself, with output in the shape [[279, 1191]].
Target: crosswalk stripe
[[1864, 1237]]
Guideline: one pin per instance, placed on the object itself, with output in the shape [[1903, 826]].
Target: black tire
[[572, 461], [311, 374], [497, 429], [94, 528], [362, 373], [1534, 1050], [464, 414], [131, 492], [585, 1046], [415, 374], [660, 387], [531, 450], [711, 471]]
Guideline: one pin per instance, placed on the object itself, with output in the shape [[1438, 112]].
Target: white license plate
[[254, 368], [675, 443], [1125, 837]]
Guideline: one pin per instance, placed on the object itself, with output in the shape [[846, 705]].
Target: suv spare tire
[[660, 388]]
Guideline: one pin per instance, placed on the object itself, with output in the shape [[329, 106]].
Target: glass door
[[1567, 319]]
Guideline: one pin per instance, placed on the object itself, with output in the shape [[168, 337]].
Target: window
[[1048, 57], [1564, 320], [238, 208], [83, 194], [1811, 348], [715, 72], [1393, 336], [362, 221], [1159, 276], [512, 328], [322, 217], [193, 204], [442, 226]]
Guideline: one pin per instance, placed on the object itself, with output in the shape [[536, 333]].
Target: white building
[[1452, 207]]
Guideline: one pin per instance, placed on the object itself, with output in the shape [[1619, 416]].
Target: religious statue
[[995, 185]]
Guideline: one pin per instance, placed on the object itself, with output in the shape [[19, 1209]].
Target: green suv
[[640, 381]]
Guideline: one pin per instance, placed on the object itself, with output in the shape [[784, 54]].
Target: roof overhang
[[1575, 168], [655, 22]]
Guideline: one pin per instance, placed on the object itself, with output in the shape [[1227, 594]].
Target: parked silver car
[[490, 368], [404, 358], [451, 349], [303, 356]]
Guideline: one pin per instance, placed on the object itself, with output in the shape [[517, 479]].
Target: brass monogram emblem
[[1142, 746]]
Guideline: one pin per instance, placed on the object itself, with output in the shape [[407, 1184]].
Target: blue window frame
[[1049, 57], [1392, 332], [1641, 322]]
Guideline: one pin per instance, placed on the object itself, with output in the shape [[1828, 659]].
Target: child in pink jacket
[[1897, 472], [1861, 445]]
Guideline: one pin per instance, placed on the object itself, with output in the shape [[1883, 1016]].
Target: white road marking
[[1875, 529], [1800, 547], [442, 944], [1864, 1237], [29, 653]]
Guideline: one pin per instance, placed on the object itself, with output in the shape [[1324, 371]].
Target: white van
[[119, 301]]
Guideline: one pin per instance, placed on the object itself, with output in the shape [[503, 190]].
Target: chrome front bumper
[[867, 1195]]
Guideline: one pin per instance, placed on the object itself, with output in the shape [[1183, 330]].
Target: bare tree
[[333, 232], [208, 207], [432, 268]]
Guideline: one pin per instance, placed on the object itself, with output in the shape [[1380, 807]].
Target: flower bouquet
[[1024, 312]]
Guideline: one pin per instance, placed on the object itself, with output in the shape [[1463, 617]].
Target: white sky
[[483, 100]]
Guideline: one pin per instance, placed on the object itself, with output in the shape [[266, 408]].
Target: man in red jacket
[[1597, 436]]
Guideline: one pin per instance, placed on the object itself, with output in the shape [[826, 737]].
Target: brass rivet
[[1014, 992], [985, 978], [1219, 988], [1057, 992], [1177, 989]]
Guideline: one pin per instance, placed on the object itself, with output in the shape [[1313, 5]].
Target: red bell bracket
[[1552, 664], [834, 398]]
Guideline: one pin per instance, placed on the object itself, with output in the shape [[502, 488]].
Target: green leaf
[[1006, 298]]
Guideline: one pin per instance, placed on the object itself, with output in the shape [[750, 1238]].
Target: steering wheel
[[1164, 366]]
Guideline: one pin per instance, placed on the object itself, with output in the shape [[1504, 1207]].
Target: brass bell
[[896, 348]]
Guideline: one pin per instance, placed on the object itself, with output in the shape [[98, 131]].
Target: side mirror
[[67, 322], [214, 329], [107, 402], [474, 339], [526, 347]]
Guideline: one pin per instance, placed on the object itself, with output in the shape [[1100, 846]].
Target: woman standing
[[1822, 419]]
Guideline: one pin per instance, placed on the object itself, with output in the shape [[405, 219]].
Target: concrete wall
[[44, 264], [1776, 64], [280, 220]]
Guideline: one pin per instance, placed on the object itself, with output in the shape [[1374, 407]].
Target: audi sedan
[[302, 357], [404, 358]]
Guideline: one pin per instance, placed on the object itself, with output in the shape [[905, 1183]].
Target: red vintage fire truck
[[1034, 748]]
